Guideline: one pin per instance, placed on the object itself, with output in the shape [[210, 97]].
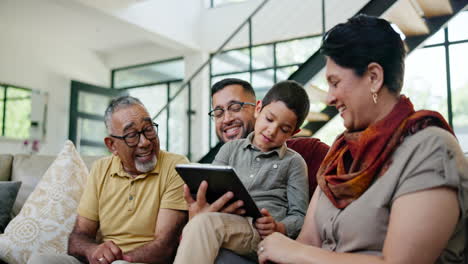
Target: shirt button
[[450, 154], [257, 159], [331, 219], [130, 197], [275, 166], [251, 175]]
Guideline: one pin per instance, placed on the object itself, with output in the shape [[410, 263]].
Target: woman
[[390, 188]]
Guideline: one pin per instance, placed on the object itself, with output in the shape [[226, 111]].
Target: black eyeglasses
[[233, 108], [133, 138]]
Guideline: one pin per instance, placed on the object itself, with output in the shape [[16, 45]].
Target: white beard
[[146, 166]]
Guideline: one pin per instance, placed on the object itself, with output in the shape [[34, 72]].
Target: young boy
[[275, 176]]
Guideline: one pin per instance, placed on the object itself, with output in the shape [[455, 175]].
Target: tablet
[[220, 179]]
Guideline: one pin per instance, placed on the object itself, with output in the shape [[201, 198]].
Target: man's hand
[[202, 206], [105, 253], [267, 225]]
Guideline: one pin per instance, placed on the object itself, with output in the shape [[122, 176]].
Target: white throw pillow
[[49, 213]]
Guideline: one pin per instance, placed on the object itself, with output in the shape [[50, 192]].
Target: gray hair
[[117, 104]]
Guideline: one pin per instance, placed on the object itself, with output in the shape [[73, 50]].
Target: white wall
[[137, 54], [47, 65], [173, 23]]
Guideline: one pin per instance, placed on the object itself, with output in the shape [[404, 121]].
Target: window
[[148, 74], [265, 64], [436, 76], [154, 84], [15, 111], [262, 65]]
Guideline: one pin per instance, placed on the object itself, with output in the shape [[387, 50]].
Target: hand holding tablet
[[221, 180]]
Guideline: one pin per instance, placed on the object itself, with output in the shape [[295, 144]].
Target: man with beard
[[134, 197], [236, 99]]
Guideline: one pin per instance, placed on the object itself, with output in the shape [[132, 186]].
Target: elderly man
[[134, 197]]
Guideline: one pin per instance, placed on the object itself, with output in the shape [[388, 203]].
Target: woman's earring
[[375, 97]]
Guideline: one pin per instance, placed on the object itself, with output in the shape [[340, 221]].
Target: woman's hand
[[277, 248]]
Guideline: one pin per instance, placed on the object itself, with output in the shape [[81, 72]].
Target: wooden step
[[316, 94], [408, 17], [304, 133], [317, 116], [434, 8]]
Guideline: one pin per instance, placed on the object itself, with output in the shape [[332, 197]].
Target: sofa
[[28, 169]]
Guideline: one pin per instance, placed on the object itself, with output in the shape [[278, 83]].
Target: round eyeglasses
[[132, 139]]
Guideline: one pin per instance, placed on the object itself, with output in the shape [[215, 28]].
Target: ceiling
[[71, 23]]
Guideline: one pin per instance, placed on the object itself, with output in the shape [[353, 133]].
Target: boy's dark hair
[[366, 39], [293, 95], [232, 81]]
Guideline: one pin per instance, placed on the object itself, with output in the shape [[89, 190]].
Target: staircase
[[417, 20]]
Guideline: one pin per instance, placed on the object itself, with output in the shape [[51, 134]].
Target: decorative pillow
[[49, 213], [8, 192]]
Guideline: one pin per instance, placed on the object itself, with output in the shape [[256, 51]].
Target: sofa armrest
[[6, 161]]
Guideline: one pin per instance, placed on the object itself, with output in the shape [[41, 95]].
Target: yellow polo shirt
[[127, 208]]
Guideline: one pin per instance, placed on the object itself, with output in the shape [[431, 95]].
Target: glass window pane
[[243, 76], [92, 103], [162, 131], [457, 27], [317, 90], [262, 57], [296, 51], [262, 81], [459, 88], [214, 137], [425, 79], [2, 95], [93, 151], [153, 97], [92, 130], [231, 61], [330, 130], [18, 112], [437, 38], [153, 73], [284, 72], [178, 122]]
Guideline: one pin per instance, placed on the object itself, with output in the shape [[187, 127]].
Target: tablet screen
[[220, 179]]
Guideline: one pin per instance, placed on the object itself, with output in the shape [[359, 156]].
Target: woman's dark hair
[[293, 95], [366, 39]]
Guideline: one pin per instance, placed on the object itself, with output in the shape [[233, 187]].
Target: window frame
[[5, 99]]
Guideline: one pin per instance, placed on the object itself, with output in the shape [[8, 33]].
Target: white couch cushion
[[49, 213]]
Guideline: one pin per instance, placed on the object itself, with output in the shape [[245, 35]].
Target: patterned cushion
[[48, 216], [8, 192]]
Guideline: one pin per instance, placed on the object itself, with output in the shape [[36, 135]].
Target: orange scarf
[[356, 158]]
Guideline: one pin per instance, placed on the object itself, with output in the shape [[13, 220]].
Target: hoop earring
[[375, 97]]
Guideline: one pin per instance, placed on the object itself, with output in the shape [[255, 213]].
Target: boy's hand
[[267, 225], [202, 206]]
